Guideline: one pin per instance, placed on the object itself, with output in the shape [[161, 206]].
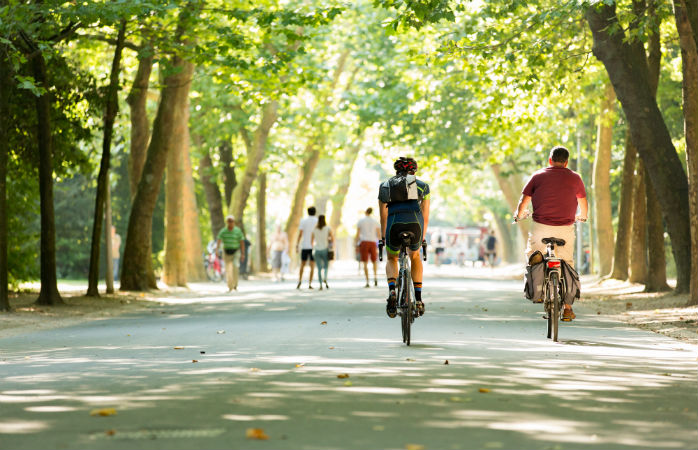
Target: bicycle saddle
[[556, 241], [407, 236]]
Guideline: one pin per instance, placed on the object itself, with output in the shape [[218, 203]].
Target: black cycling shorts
[[307, 254], [404, 221]]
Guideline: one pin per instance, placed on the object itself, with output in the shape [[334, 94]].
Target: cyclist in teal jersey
[[403, 215]]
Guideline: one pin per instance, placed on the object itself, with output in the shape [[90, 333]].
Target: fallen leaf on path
[[324, 322], [254, 369], [194, 360], [179, 348], [256, 433], [110, 432], [348, 383], [628, 305], [104, 412], [411, 359], [484, 390], [220, 332], [331, 348], [598, 313], [343, 375], [202, 352], [446, 362], [414, 447], [300, 365]]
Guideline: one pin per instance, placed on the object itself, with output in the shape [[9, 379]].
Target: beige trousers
[[232, 269], [540, 231]]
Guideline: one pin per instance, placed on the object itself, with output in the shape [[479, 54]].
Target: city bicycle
[[407, 305]]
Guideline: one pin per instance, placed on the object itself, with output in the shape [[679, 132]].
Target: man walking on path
[[233, 251], [367, 235], [305, 232], [555, 193]]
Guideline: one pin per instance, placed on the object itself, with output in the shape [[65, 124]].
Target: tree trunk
[[506, 245], [656, 255], [140, 128], [261, 262], [111, 110], [137, 269], [225, 150], [175, 265], [626, 65], [255, 154], [49, 294], [192, 230], [686, 14], [5, 89], [638, 243], [625, 212], [602, 181], [343, 183], [510, 188], [212, 192], [294, 218]]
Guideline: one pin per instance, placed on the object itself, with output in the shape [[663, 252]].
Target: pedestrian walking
[[277, 246], [367, 234], [491, 249], [233, 251], [321, 240], [115, 248], [304, 242]]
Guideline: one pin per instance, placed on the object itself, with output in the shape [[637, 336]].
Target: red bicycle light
[[553, 264]]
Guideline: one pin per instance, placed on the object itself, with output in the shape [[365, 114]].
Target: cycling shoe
[[391, 306], [420, 307]]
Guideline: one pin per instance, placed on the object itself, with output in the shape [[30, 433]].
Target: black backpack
[[400, 188]]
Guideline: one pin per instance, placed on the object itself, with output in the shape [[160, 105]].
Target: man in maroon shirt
[[555, 193]]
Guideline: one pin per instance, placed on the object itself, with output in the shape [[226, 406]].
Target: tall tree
[[509, 183], [261, 255], [621, 254], [256, 147], [5, 84], [343, 182], [686, 14], [140, 128], [175, 264], [625, 62], [111, 110], [638, 241], [602, 180], [137, 270], [225, 151], [212, 193], [192, 232]]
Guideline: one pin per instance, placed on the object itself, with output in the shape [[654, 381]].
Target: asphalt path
[[203, 367]]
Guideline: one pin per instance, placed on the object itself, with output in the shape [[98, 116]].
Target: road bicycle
[[407, 304]]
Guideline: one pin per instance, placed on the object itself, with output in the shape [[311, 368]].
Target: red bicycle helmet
[[403, 164]]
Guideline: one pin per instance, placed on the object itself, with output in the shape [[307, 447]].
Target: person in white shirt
[[321, 240], [304, 241], [367, 235]]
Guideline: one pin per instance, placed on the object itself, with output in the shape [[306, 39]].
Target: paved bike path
[[272, 356]]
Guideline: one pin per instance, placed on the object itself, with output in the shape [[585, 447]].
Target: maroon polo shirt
[[554, 192]]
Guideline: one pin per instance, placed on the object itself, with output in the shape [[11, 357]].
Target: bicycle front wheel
[[555, 316]]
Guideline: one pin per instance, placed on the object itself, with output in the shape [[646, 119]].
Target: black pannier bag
[[534, 277], [572, 285]]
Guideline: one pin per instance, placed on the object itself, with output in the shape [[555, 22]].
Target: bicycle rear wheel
[[555, 316]]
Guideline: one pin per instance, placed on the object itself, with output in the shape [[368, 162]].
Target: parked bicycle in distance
[[213, 263], [407, 305]]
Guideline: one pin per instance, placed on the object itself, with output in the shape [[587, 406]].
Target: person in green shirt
[[233, 251]]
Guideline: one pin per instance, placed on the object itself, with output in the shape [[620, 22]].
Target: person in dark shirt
[[555, 193], [396, 217]]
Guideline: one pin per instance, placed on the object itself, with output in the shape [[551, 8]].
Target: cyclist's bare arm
[[425, 215], [383, 210], [583, 209], [524, 201]]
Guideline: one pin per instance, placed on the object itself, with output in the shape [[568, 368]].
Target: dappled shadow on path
[[272, 360]]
